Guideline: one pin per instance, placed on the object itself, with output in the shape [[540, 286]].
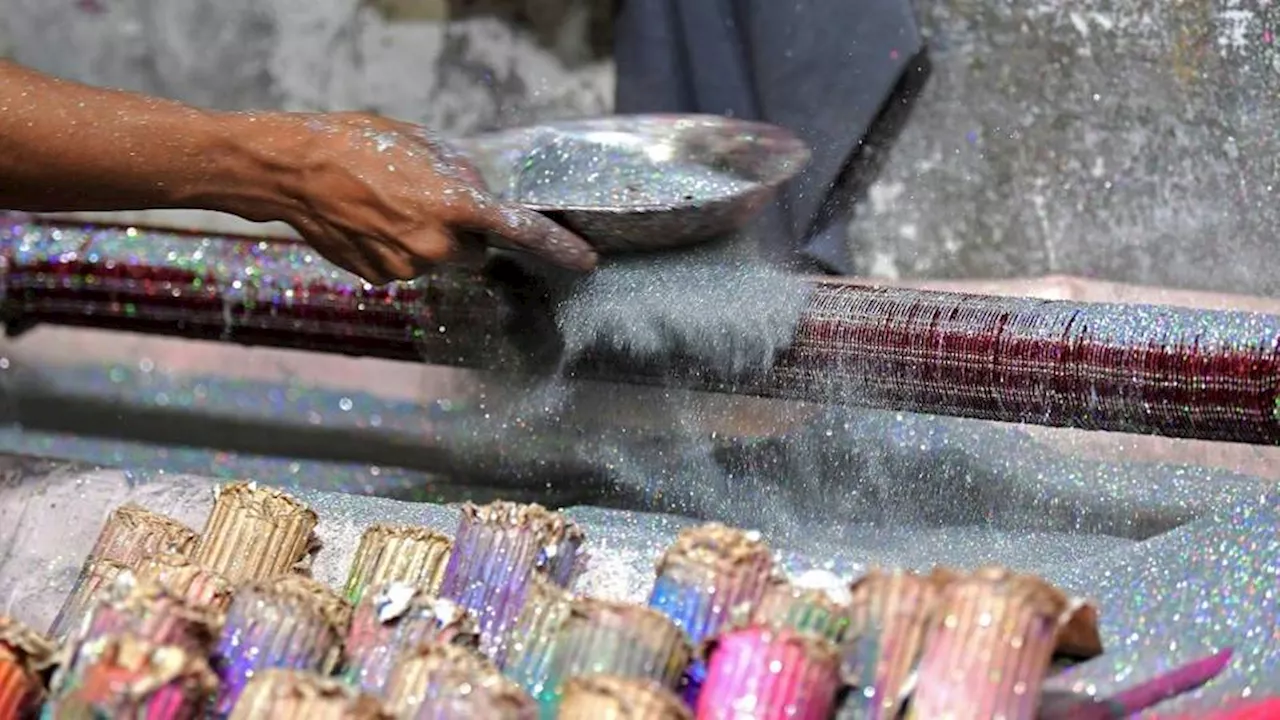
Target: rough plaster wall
[[457, 69], [1130, 140]]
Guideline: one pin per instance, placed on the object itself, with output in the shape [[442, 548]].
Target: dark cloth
[[821, 68]]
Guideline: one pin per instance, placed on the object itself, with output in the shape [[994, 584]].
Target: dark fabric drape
[[822, 68]]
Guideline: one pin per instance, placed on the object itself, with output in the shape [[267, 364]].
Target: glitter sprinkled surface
[[1179, 558], [1164, 601], [1189, 593]]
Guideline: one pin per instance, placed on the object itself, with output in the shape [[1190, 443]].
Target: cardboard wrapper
[[255, 533]]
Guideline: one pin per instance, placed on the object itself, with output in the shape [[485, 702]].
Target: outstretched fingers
[[535, 233]]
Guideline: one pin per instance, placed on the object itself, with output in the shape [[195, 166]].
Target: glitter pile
[[565, 173], [288, 646], [1143, 369]]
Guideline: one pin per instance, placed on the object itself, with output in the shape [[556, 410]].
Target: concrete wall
[[1130, 140], [456, 66]]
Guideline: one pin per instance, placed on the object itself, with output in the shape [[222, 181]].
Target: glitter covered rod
[[1130, 368], [250, 291]]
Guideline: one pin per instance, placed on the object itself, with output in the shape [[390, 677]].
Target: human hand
[[384, 199]]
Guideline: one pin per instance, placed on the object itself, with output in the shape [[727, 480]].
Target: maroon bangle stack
[[1130, 368]]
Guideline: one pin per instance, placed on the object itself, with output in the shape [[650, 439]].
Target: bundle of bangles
[[1131, 368], [165, 622]]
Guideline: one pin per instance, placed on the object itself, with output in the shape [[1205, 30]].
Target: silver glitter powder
[[712, 306], [1203, 587], [573, 173]]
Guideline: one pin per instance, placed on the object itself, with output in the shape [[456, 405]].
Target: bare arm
[[378, 197], [67, 146]]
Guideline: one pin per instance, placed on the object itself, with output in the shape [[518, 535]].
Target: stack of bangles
[[1143, 369], [168, 623]]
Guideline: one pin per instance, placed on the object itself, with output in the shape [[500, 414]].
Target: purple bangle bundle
[[291, 622], [498, 549], [487, 626]]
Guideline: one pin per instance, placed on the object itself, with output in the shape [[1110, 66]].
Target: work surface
[[1167, 599], [1178, 556]]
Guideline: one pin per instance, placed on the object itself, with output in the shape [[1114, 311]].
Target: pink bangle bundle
[[770, 674]]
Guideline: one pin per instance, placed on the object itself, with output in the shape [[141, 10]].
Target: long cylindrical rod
[[1131, 368]]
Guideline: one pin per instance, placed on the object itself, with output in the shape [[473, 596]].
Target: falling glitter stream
[[1145, 369]]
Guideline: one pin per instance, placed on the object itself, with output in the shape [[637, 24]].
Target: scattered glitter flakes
[[573, 173]]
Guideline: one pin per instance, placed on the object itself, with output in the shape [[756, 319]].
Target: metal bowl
[[641, 182]]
